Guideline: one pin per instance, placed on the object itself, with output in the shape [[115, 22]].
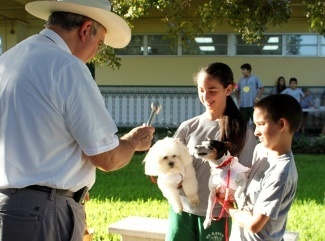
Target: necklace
[[246, 89]]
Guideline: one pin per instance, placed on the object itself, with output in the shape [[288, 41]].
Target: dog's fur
[[171, 161], [217, 153]]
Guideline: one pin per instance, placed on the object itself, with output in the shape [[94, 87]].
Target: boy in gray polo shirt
[[264, 205]]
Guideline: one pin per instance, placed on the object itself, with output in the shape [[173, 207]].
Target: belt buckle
[[79, 196]]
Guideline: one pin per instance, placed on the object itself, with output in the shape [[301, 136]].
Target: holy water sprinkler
[[155, 108]]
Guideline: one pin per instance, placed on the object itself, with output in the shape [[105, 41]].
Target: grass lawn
[[128, 192]]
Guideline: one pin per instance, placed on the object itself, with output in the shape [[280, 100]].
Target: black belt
[[78, 196]]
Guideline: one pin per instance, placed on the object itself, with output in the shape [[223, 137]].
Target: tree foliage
[[186, 19], [315, 13]]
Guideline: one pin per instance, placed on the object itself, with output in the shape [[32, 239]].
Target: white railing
[[129, 106]]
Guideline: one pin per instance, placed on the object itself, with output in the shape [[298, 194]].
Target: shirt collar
[[56, 39]]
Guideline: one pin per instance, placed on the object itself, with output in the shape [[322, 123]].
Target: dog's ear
[[151, 162], [230, 146], [186, 157]]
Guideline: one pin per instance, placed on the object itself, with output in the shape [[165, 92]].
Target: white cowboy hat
[[118, 33]]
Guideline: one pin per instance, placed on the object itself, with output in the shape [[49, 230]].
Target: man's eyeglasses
[[101, 45]]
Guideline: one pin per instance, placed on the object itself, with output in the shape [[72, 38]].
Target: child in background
[[249, 90], [264, 205], [306, 102], [280, 86], [293, 90]]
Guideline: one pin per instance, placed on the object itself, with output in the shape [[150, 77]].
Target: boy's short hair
[[282, 106], [246, 66], [293, 79]]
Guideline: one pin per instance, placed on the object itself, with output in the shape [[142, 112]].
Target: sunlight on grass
[[102, 213], [307, 217]]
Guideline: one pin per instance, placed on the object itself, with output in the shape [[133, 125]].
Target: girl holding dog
[[221, 121]]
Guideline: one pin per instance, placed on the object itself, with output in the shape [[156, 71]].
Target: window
[[135, 47], [207, 45], [270, 45], [322, 45], [301, 44], [227, 45], [159, 45]]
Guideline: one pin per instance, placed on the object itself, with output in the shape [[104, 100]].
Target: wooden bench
[[140, 229], [135, 228]]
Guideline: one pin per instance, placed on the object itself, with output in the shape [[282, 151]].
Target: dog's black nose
[[171, 164]]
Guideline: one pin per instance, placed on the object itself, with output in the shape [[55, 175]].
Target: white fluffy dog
[[218, 155], [171, 162]]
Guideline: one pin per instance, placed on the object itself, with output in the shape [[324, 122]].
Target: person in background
[[306, 102], [249, 91], [280, 86], [54, 127], [264, 204], [293, 90], [221, 121]]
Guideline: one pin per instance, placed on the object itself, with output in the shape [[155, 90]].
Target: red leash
[[153, 179], [226, 197]]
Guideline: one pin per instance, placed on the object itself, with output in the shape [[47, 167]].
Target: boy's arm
[[259, 94], [253, 222]]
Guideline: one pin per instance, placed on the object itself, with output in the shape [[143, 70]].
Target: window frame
[[231, 46]]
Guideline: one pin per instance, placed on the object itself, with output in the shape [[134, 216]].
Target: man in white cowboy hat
[[54, 127]]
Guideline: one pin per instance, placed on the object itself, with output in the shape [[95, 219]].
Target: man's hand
[[140, 137]]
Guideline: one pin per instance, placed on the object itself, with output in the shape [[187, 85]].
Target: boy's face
[[293, 85], [266, 129], [245, 72]]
